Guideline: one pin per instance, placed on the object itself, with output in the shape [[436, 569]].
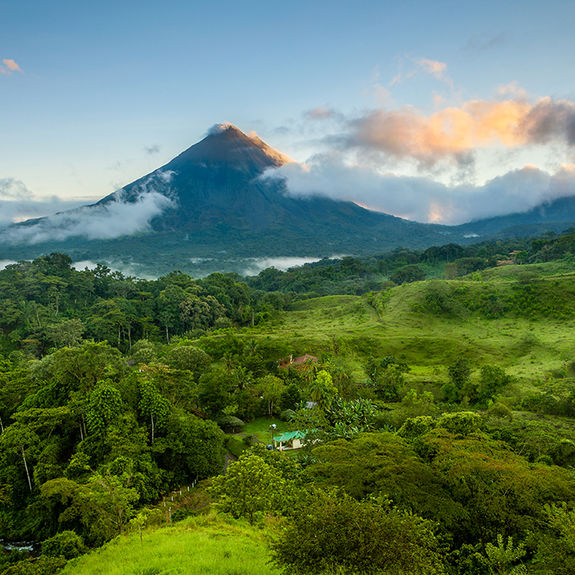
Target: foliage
[[67, 544], [251, 487], [333, 532], [502, 556]]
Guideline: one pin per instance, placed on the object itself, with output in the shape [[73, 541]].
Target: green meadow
[[517, 317], [210, 545]]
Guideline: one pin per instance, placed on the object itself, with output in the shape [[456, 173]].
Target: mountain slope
[[557, 215]]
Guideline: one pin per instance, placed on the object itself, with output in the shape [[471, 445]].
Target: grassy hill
[[211, 545], [518, 317]]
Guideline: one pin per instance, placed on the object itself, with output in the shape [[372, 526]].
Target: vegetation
[[438, 417]]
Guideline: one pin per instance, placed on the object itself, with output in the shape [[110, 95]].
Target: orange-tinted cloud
[[434, 67], [456, 131], [9, 66]]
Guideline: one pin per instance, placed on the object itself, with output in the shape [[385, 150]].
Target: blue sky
[[438, 104]]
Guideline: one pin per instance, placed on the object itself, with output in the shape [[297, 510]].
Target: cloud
[[11, 189], [550, 120], [219, 128], [109, 219], [322, 113], [433, 67], [416, 65], [422, 199], [9, 66], [455, 133], [18, 203], [483, 42]]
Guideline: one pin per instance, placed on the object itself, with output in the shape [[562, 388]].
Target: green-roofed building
[[289, 440]]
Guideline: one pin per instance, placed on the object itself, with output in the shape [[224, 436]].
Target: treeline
[[358, 275], [46, 304]]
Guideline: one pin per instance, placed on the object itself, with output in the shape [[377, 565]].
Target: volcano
[[224, 187], [219, 198]]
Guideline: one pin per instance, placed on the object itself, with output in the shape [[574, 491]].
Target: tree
[[333, 533], [189, 358], [271, 389], [104, 406], [19, 438], [101, 507], [322, 389], [215, 390], [501, 557], [251, 486], [492, 379], [190, 448], [386, 377], [153, 405], [66, 332], [67, 544], [407, 274], [556, 549], [459, 386]]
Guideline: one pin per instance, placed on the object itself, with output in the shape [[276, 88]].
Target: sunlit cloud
[[9, 66], [434, 67], [456, 132], [416, 65]]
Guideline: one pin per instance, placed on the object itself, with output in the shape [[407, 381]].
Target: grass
[[210, 545], [260, 428], [529, 338]]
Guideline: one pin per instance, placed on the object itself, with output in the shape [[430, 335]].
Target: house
[[289, 440], [300, 363]]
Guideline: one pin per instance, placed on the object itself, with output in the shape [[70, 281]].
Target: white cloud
[[107, 220], [422, 199]]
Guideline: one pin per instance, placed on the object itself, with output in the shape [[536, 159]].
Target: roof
[[289, 435], [304, 358], [301, 361]]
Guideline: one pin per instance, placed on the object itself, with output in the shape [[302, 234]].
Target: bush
[[415, 426], [231, 424], [337, 534], [461, 423], [67, 544], [36, 566]]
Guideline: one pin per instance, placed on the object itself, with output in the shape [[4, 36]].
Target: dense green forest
[[437, 403]]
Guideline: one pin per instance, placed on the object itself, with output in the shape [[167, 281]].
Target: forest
[[436, 399]]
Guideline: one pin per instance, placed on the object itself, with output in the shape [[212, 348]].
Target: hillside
[[495, 317], [209, 545], [440, 416]]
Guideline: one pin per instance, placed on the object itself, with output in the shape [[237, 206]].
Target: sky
[[439, 111]]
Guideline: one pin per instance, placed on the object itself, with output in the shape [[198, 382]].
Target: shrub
[[461, 423], [67, 544], [415, 426], [230, 424]]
